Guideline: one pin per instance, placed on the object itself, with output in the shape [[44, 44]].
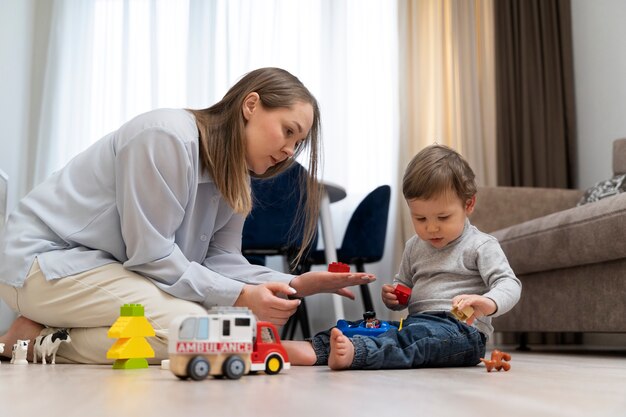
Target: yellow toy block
[[462, 315], [134, 347], [131, 327]]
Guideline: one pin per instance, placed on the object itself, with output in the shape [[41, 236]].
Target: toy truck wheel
[[198, 368], [234, 367], [273, 365]]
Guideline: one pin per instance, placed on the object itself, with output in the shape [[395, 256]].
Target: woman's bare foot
[[22, 329], [341, 350], [300, 353]]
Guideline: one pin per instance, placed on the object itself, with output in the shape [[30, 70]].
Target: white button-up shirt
[[138, 196]]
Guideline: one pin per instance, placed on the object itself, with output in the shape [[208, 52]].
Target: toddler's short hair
[[435, 170]]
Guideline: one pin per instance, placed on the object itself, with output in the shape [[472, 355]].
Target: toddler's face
[[440, 220]]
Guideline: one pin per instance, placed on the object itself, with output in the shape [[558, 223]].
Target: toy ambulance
[[227, 341]]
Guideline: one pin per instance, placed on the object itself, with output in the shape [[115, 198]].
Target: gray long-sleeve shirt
[[137, 196], [474, 263]]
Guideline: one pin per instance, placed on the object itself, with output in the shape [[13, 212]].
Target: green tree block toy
[[131, 328]]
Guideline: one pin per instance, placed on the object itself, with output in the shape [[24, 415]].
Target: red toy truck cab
[[227, 341]]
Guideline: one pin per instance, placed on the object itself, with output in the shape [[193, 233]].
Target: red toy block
[[403, 293], [338, 267]]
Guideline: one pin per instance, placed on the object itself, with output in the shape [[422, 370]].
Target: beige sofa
[[571, 260]]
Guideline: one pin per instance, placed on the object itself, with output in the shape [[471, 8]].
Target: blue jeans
[[426, 340]]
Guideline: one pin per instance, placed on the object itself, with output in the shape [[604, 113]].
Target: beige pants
[[89, 303]]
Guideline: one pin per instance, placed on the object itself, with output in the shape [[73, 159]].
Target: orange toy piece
[[499, 360]]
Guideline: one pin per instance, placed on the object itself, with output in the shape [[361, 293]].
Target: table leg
[[330, 249]]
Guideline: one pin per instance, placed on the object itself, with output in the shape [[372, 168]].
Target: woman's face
[[272, 135]]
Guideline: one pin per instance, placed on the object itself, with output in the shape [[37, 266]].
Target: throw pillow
[[604, 189]]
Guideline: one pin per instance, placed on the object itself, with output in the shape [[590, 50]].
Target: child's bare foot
[[300, 353], [23, 329], [341, 350]]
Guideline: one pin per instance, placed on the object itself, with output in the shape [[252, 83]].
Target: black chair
[[275, 228], [364, 239]]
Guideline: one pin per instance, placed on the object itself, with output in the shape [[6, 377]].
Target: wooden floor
[[538, 384]]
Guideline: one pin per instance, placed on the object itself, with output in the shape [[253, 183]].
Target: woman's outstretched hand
[[315, 282], [265, 302]]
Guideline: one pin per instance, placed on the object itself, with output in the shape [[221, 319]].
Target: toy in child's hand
[[464, 314], [499, 360], [338, 267], [369, 326], [403, 293]]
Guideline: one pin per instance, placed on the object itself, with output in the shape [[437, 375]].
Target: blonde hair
[[223, 147], [435, 170]]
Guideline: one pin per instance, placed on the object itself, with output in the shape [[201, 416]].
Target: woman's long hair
[[223, 147]]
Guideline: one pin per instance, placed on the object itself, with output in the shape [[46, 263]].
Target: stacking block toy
[[131, 328]]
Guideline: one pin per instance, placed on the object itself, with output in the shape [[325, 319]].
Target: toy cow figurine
[[48, 345], [18, 355]]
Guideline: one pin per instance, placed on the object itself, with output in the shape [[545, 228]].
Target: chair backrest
[[4, 197], [365, 235], [274, 226]]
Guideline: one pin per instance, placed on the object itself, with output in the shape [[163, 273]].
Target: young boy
[[448, 264]]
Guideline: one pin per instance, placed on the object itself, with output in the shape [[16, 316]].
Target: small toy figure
[[462, 315], [369, 326], [499, 360], [403, 293], [18, 355], [338, 267], [371, 322], [47, 345]]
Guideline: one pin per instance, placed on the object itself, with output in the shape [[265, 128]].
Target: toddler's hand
[[390, 299], [483, 306]]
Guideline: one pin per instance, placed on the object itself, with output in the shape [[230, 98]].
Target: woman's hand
[[483, 306], [390, 298], [315, 282], [265, 303]]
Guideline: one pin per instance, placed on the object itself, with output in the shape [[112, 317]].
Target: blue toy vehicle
[[369, 326]]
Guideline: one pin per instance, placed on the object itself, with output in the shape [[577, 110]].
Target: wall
[[600, 77]]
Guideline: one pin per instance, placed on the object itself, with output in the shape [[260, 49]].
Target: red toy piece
[[403, 293], [338, 267], [499, 360]]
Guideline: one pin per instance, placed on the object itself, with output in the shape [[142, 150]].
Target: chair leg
[[368, 305], [300, 317], [291, 323], [304, 320]]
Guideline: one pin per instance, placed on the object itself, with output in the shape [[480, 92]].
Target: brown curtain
[[536, 126]]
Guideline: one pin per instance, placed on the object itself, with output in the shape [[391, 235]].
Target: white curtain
[[448, 76], [109, 60]]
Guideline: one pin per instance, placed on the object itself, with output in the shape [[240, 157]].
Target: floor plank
[[538, 384]]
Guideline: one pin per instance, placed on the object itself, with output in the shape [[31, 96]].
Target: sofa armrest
[[500, 207]]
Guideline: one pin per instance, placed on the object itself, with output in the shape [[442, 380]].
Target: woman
[[153, 214]]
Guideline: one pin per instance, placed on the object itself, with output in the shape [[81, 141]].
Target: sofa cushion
[[578, 236], [604, 189]]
